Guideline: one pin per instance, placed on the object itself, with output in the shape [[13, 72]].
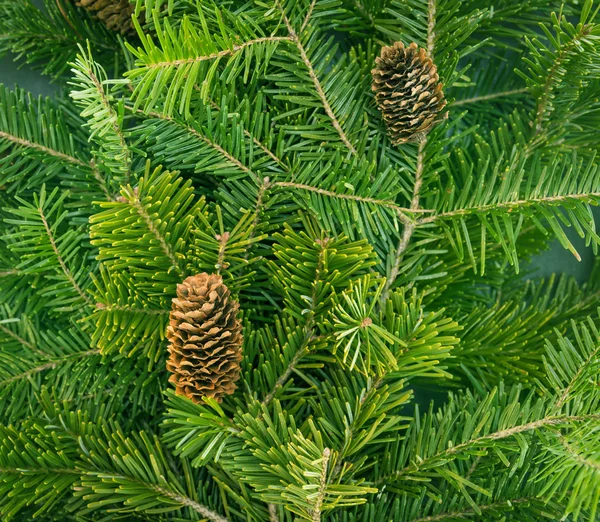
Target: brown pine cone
[[408, 92], [116, 14], [206, 339]]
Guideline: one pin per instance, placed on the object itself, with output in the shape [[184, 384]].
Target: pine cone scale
[[205, 337]]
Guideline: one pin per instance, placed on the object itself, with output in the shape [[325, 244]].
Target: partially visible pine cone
[[408, 92], [116, 14], [206, 339]]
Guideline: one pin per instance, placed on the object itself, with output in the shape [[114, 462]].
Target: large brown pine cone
[[408, 92], [116, 14], [205, 337]]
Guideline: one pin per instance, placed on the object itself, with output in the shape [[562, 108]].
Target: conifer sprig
[[354, 278]]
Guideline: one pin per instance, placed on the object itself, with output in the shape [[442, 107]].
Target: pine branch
[[317, 84], [468, 514], [61, 261], [401, 212], [50, 365], [309, 325], [552, 77], [134, 200], [210, 142], [96, 103], [221, 54], [409, 228], [41, 148], [552, 420], [487, 97], [316, 510], [510, 206]]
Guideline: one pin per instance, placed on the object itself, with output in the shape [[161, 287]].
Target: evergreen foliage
[[243, 139]]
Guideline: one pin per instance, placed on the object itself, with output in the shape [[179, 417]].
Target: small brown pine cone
[[115, 14], [205, 337], [408, 92]]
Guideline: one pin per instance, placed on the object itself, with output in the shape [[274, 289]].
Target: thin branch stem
[[61, 8], [50, 365], [316, 512], [129, 309], [308, 327], [409, 228], [42, 148], [492, 96], [273, 513], [308, 15], [137, 204], [188, 502], [498, 435], [222, 239], [61, 261], [220, 54], [313, 76], [400, 211], [507, 205], [113, 117], [431, 11], [470, 512]]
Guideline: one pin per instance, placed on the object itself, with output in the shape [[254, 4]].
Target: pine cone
[[206, 339], [408, 92], [116, 14]]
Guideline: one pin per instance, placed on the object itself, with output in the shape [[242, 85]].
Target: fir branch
[[308, 16], [309, 325], [19, 339], [317, 84], [41, 148], [552, 420], [468, 514], [400, 211], [283, 378], [574, 454], [410, 227], [551, 78], [509, 206], [316, 511], [112, 114], [492, 96], [49, 365], [91, 94], [194, 132], [61, 261], [255, 140], [101, 181], [221, 54], [135, 202], [582, 367], [186, 501]]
